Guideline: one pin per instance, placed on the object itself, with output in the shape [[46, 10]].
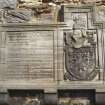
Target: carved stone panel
[[27, 11], [82, 44], [74, 101], [25, 97], [80, 55], [8, 4], [29, 55]]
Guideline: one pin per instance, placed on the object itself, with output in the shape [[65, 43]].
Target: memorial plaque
[[29, 55]]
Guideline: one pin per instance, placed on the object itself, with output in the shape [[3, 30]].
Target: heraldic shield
[[80, 55]]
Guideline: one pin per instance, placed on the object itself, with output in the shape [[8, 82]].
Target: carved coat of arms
[[80, 55]]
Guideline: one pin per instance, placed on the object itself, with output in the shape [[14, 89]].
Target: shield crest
[[80, 55]]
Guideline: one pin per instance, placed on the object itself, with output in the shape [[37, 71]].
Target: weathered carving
[[79, 20], [17, 16], [30, 55], [37, 8], [79, 39], [74, 101], [99, 2], [21, 11], [100, 13], [80, 55], [24, 101], [10, 4], [32, 101]]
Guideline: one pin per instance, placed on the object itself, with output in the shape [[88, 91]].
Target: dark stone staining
[[47, 1]]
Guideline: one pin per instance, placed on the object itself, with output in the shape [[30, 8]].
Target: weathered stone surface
[[79, 1], [14, 16], [35, 9], [78, 49], [80, 55], [28, 12], [74, 101], [32, 56], [24, 101], [8, 4]]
